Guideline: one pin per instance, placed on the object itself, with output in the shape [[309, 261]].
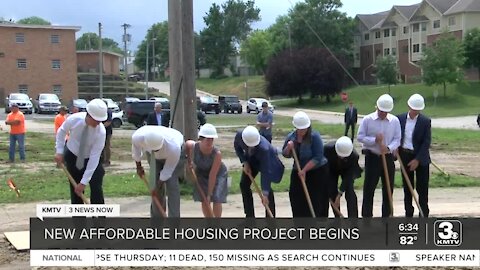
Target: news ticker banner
[[240, 242]]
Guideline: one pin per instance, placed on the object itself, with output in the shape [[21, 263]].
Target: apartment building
[[38, 59], [405, 32]]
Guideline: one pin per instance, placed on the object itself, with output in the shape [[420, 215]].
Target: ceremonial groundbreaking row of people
[[314, 176]]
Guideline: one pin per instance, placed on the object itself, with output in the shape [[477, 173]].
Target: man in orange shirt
[[60, 118], [16, 120]]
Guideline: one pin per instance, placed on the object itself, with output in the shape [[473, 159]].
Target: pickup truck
[[136, 112]]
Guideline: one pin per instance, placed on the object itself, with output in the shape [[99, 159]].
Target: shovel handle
[[74, 183]]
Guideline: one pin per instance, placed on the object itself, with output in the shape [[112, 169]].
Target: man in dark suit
[[350, 119], [343, 161], [414, 152], [158, 117]]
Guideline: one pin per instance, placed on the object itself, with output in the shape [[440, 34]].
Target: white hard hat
[[250, 136], [416, 102], [154, 141], [97, 109], [385, 103], [343, 146], [208, 131], [301, 120]]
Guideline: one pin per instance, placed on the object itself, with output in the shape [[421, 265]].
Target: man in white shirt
[[379, 133], [165, 145], [82, 151]]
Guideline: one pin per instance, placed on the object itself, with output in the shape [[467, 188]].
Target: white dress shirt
[[170, 150], [373, 125], [74, 124], [408, 135]]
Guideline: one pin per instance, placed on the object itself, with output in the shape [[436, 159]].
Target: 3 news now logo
[[447, 233]]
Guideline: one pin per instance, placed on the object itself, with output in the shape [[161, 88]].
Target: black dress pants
[[349, 193], [318, 189], [374, 171], [246, 189], [420, 184], [96, 183]]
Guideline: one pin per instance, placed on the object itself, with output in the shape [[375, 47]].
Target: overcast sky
[[142, 14]]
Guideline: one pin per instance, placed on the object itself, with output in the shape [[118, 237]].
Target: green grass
[[37, 187], [233, 86], [461, 99]]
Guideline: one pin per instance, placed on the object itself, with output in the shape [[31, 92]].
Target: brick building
[[405, 32], [87, 61], [38, 59]]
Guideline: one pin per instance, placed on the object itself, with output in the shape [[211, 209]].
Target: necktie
[[81, 148], [153, 171]]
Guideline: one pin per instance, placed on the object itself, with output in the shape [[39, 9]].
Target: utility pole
[[147, 70], [126, 38], [100, 59], [175, 64], [153, 56], [188, 70]]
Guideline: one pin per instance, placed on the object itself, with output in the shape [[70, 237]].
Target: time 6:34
[[407, 227]]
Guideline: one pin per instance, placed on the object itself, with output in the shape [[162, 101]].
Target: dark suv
[[229, 103], [137, 111], [207, 104]]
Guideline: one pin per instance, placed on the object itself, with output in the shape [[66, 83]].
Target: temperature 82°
[[407, 239]]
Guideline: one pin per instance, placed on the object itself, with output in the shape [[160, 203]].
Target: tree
[[308, 70], [34, 20], [471, 46], [89, 41], [387, 71], [159, 32], [257, 50], [226, 26], [314, 21], [280, 34], [443, 61]]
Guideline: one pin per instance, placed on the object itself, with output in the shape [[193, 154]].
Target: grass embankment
[[460, 100]]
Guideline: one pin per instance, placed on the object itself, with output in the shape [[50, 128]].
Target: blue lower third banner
[[254, 242]]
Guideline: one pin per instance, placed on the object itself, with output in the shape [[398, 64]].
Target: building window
[[436, 24], [55, 64], [57, 89], [23, 88], [405, 29], [377, 34], [21, 63], [424, 46], [366, 36], [451, 21], [416, 48], [386, 51], [357, 56], [416, 27], [394, 32], [394, 51], [19, 38], [386, 32], [54, 39], [424, 26]]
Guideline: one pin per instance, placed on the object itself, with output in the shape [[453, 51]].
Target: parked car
[[255, 105], [117, 119], [47, 102], [111, 105], [136, 112], [23, 102], [207, 104], [229, 103], [80, 103]]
